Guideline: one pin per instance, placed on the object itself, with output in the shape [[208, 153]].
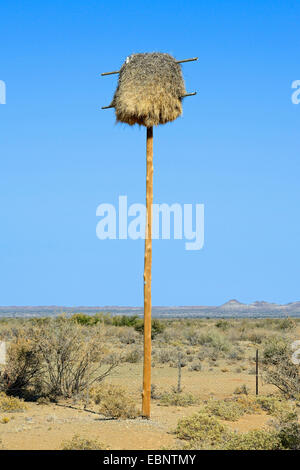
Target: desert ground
[[216, 359]]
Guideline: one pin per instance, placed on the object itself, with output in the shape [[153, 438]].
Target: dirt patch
[[47, 426]]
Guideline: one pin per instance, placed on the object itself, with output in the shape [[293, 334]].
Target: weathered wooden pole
[[256, 372], [155, 75], [147, 278]]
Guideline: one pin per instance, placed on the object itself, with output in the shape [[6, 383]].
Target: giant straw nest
[[150, 90]]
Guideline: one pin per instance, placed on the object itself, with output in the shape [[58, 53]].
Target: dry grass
[[149, 90], [80, 443], [114, 402]]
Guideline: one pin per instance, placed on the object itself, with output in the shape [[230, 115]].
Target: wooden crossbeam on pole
[[189, 94], [177, 62], [147, 277], [183, 96]]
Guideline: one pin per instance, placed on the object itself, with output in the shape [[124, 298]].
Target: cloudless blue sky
[[236, 149]]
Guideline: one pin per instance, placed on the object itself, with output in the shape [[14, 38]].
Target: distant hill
[[232, 308]]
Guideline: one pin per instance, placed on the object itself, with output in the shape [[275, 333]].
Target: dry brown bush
[[56, 359], [114, 402]]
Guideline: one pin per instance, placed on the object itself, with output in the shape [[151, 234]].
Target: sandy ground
[[47, 426]]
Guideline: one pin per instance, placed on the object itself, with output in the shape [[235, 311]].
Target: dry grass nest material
[[150, 90]]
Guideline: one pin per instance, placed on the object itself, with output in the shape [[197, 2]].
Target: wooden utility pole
[[256, 372], [148, 235], [147, 277]]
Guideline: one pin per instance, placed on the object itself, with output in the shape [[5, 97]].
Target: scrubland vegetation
[[84, 361]]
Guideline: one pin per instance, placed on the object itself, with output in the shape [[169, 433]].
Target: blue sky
[[236, 150]]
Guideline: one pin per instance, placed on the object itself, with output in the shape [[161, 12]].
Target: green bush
[[253, 440], [227, 410], [178, 399], [289, 435], [224, 325], [157, 327], [276, 407], [117, 320], [287, 426], [125, 320], [274, 347], [85, 320], [202, 430], [11, 404], [249, 404]]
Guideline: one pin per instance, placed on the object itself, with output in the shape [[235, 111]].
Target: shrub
[[286, 425], [126, 320], [278, 368], [5, 420], [11, 404], [23, 369], [178, 399], [215, 340], [155, 393], [157, 327], [85, 320], [289, 435], [43, 401], [193, 337], [274, 347], [201, 355], [256, 337], [196, 366], [248, 404], [236, 355], [128, 337], [59, 358], [286, 324], [253, 440], [227, 410], [201, 430], [288, 432], [224, 325], [241, 390], [165, 355], [80, 443], [274, 406], [113, 402], [133, 356]]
